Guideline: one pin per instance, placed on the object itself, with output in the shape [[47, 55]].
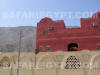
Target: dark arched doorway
[[72, 47]]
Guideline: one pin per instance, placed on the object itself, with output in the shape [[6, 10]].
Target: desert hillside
[[9, 38]]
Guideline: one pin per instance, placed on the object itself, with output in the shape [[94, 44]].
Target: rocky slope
[[9, 38]]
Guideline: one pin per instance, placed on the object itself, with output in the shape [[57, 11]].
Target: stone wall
[[51, 63]]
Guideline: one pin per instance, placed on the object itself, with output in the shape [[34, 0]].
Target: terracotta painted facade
[[54, 35]]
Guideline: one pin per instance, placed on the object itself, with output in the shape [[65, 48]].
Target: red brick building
[[54, 35]]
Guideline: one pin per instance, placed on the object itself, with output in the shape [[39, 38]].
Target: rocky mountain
[[9, 38]]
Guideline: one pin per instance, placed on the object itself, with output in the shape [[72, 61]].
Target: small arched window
[[98, 46], [48, 47], [95, 24], [40, 48]]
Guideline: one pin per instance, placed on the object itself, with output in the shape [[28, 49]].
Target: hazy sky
[[29, 12]]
